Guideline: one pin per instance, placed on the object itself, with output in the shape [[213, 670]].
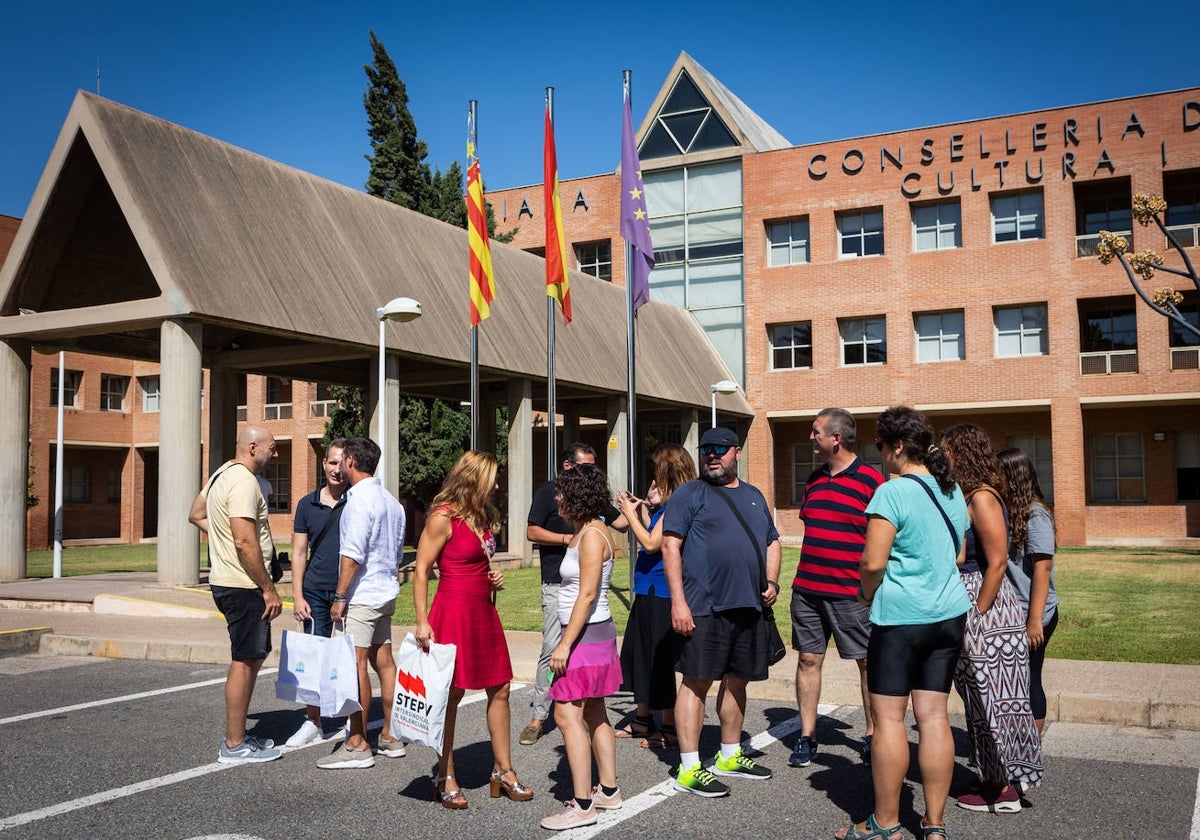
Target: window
[[1037, 447], [279, 399], [241, 397], [1185, 344], [114, 486], [1182, 193], [1107, 336], [1017, 217], [1117, 468], [804, 461], [1101, 205], [685, 123], [937, 226], [1021, 330], [787, 242], [322, 405], [279, 476], [77, 483], [112, 392], [71, 382], [863, 340], [860, 234], [595, 258], [1187, 466], [537, 252], [151, 393], [939, 336], [791, 345]]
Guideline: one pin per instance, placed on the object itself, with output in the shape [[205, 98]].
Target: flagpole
[[630, 366], [551, 388], [472, 142]]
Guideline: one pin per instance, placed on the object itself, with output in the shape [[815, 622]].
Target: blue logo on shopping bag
[[333, 675], [299, 667]]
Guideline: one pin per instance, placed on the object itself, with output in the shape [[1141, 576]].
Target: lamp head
[[725, 386], [399, 309]]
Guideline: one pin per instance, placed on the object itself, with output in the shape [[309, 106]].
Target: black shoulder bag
[[775, 647], [941, 510]]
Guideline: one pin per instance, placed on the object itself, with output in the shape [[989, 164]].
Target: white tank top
[[568, 590]]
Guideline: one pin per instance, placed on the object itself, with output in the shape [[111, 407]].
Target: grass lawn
[[1118, 604]]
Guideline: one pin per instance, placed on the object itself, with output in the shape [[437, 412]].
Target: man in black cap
[[717, 536]]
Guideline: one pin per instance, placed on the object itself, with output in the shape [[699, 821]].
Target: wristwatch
[[774, 583], [339, 597]]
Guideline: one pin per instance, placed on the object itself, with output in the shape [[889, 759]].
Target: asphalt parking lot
[[102, 748]]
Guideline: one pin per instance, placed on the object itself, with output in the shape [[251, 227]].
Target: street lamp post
[[725, 386], [397, 309]]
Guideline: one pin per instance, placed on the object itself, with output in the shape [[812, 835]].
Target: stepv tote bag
[[317, 671], [422, 692]]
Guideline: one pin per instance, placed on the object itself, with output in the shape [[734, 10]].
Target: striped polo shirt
[[835, 529]]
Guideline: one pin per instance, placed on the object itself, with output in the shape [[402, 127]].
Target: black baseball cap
[[720, 436]]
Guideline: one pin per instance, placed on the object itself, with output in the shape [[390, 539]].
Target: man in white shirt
[[372, 543]]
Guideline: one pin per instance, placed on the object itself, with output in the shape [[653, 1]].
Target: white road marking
[[172, 778], [122, 699], [649, 798], [1195, 835]]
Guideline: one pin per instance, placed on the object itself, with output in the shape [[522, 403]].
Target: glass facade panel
[[714, 283]]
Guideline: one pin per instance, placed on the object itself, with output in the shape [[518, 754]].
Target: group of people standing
[[942, 575]]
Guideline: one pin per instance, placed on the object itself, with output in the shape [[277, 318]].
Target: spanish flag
[[483, 281], [557, 284]]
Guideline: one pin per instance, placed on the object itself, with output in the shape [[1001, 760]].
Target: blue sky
[[285, 79]]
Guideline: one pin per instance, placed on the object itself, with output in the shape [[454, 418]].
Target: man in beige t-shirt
[[232, 510]]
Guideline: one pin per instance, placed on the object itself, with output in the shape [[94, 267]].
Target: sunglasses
[[718, 449]]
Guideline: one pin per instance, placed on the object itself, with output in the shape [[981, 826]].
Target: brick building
[[952, 268]]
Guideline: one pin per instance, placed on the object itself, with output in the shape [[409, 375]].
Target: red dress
[[462, 613]]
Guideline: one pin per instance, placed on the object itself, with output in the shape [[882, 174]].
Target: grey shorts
[[815, 619], [366, 626]]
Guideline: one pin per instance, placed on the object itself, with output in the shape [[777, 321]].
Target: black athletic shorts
[[903, 658], [249, 632], [730, 642]]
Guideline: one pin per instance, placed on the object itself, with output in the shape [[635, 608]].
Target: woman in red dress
[[459, 537]]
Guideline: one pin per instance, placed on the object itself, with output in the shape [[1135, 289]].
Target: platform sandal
[[454, 800], [514, 790]]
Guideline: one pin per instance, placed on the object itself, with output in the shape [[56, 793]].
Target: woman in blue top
[[910, 582], [647, 655]]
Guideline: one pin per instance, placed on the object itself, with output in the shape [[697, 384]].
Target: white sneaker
[[571, 816], [306, 734], [344, 758], [390, 747]]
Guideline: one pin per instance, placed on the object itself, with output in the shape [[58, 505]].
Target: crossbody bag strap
[[762, 563], [941, 510], [336, 513]]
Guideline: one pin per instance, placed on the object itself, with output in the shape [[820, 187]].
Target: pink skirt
[[594, 667]]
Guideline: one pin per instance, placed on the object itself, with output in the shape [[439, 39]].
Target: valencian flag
[[635, 226], [483, 280], [556, 244]]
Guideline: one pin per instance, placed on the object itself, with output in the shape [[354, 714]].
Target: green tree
[[349, 418], [398, 170]]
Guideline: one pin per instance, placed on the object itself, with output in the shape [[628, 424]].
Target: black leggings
[[906, 657], [1037, 658]]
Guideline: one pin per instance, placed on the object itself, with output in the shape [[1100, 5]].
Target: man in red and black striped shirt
[[825, 589]]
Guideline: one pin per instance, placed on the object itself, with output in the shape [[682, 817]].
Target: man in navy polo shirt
[[825, 589]]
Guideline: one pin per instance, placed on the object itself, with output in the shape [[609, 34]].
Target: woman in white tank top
[[585, 665]]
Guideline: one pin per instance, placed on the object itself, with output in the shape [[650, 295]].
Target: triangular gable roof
[[751, 133], [136, 220]]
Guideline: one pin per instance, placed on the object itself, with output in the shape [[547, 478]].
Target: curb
[[123, 605], [21, 642]]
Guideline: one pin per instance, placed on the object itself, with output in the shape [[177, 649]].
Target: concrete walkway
[[127, 615]]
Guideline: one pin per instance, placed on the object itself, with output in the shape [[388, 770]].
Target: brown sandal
[[455, 799], [661, 740], [514, 790]]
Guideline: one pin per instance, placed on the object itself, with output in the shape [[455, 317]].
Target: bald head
[[256, 448]]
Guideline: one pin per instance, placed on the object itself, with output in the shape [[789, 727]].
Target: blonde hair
[[467, 491]]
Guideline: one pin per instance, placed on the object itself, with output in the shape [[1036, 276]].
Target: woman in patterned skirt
[[993, 669], [585, 663]]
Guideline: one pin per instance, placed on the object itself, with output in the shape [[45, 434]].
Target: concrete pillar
[[520, 465], [617, 457], [14, 457], [1070, 475], [222, 416], [487, 425], [388, 438], [570, 427], [689, 424], [179, 453]]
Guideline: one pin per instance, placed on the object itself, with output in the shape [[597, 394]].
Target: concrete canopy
[[137, 220]]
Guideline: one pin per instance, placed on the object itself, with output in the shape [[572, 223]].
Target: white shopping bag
[[422, 691], [317, 671]]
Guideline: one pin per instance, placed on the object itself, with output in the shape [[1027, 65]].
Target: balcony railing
[[1088, 245], [1185, 358], [277, 411], [321, 408], [1188, 236], [1108, 361]]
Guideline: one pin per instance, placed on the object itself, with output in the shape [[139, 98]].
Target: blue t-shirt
[[323, 565], [921, 584], [648, 571], [721, 569]]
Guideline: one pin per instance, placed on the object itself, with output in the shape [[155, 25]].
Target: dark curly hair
[[585, 494], [975, 462], [901, 424], [1023, 490]]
